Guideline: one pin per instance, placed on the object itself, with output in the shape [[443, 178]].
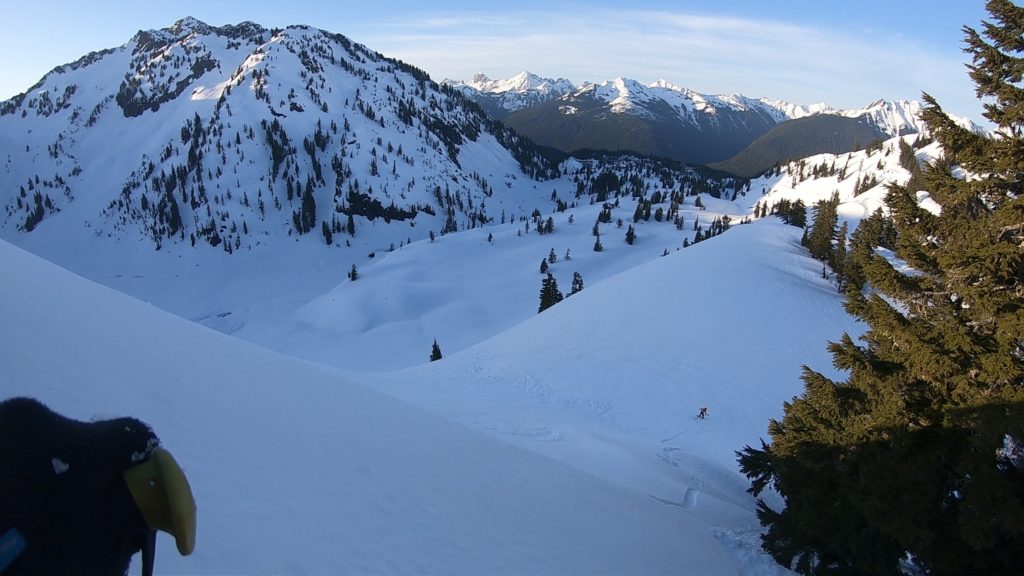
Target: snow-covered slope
[[298, 470], [860, 178], [240, 136]]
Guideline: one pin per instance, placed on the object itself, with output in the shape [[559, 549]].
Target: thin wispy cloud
[[708, 53]]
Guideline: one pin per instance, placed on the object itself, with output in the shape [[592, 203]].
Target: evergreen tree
[[840, 259], [307, 216], [552, 257], [823, 230], [577, 283], [353, 274], [916, 461], [630, 235], [549, 294], [326, 230], [435, 352], [544, 266], [792, 213]]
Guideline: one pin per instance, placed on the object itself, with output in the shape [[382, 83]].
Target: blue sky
[[844, 52]]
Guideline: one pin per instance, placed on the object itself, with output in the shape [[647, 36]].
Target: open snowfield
[[320, 440], [298, 470], [618, 475]]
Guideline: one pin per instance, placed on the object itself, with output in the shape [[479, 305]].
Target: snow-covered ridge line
[[522, 82], [624, 95]]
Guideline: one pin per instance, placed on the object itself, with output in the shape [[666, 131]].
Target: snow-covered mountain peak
[[189, 25], [794, 111], [621, 94], [626, 95], [662, 83], [893, 117], [507, 95], [222, 132], [522, 82]]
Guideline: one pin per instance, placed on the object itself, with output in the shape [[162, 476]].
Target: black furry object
[[61, 487]]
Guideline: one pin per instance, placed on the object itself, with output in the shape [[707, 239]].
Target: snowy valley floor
[[558, 443]]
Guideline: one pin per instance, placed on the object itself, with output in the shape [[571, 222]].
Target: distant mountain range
[[241, 137], [236, 136], [499, 98], [663, 119]]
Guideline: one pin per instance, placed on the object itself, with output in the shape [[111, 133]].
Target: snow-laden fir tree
[[914, 463]]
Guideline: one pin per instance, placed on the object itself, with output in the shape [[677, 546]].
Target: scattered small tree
[[549, 294], [326, 230], [577, 283], [435, 352]]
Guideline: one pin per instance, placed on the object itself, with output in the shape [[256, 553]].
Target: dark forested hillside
[[800, 138]]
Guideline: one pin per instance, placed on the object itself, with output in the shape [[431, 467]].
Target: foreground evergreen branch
[[916, 461]]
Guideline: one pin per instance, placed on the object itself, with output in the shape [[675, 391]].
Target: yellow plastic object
[[164, 498]]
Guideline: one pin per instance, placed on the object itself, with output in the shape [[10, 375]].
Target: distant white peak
[[794, 111], [701, 102], [520, 83], [685, 92], [622, 89], [894, 117], [662, 83]]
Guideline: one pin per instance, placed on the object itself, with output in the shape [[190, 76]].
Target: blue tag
[[11, 545]]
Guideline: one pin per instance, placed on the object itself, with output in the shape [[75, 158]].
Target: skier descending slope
[[83, 498]]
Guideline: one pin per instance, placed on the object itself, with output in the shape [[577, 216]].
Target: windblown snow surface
[[319, 440]]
